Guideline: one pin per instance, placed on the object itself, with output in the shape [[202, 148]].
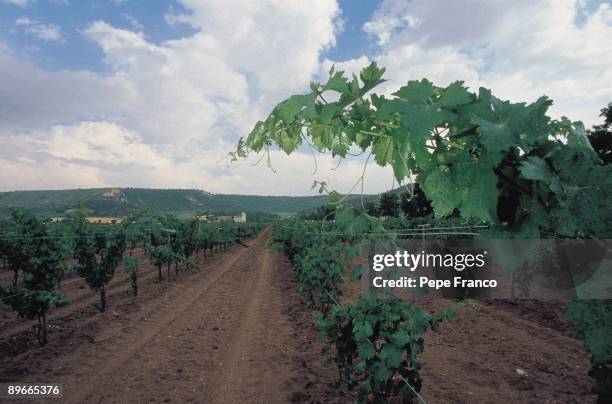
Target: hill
[[122, 201]]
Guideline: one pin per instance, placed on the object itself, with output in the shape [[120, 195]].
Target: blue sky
[[76, 51], [153, 93]]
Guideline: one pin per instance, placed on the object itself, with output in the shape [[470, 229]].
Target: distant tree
[[415, 204], [600, 136], [261, 217], [325, 212], [389, 204], [372, 209]]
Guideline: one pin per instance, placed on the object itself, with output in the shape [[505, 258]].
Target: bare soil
[[237, 330]]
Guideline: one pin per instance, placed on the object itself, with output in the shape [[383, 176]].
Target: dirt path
[[237, 333], [172, 353], [237, 330], [255, 350]]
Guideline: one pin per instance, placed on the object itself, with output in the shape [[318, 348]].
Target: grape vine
[[473, 155]]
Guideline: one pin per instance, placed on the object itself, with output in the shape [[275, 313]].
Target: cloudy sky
[[98, 93]]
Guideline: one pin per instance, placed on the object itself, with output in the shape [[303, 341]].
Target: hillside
[[122, 201]]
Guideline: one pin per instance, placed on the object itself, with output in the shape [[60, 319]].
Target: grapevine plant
[[593, 320], [470, 152], [97, 255], [473, 155], [316, 257], [319, 272], [15, 249], [158, 256], [42, 270], [131, 265], [37, 251], [377, 342]]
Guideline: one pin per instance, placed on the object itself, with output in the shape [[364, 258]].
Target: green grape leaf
[[363, 330], [366, 349], [400, 165], [391, 355], [257, 137], [442, 191], [400, 337], [371, 76], [495, 136], [383, 150], [454, 95], [416, 92], [380, 371], [478, 185], [296, 105], [422, 119], [337, 82], [534, 168], [289, 143], [328, 111]]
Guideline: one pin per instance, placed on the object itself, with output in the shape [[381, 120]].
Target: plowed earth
[[237, 330]]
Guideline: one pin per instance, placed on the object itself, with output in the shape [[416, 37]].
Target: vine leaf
[[296, 105], [416, 92], [470, 186], [495, 136], [478, 183], [454, 95], [383, 150], [443, 192], [337, 82], [534, 168]]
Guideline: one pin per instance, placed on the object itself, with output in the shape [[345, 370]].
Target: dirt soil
[[237, 330]]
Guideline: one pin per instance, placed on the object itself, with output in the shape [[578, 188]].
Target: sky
[[126, 93]]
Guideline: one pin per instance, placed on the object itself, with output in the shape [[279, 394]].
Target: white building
[[240, 218]]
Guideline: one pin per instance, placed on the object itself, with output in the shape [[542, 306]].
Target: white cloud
[[24, 21], [20, 3], [175, 92], [101, 154], [35, 99], [520, 50], [169, 111], [163, 114], [276, 41], [46, 32], [133, 21]]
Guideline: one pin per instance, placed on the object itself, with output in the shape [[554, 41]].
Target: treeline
[[407, 201], [127, 201]]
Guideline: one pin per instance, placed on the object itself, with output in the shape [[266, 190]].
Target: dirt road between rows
[[237, 333], [237, 330]]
